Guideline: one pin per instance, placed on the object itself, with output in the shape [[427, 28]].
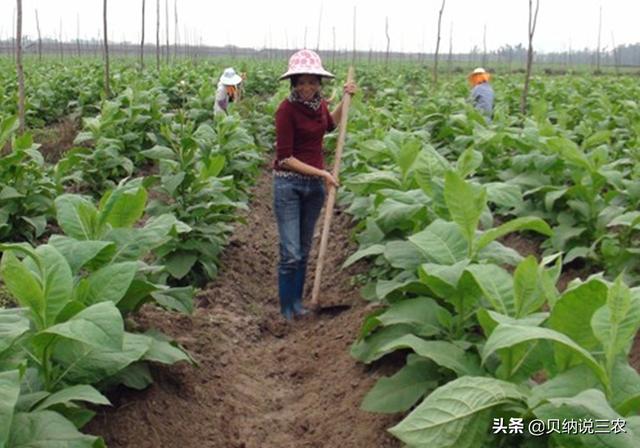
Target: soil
[[57, 138], [260, 382]]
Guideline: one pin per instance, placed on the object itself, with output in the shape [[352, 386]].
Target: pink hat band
[[306, 62]]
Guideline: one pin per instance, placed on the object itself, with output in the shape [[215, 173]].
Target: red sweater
[[300, 131]]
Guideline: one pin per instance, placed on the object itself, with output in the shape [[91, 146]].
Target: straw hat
[[306, 62], [230, 77]]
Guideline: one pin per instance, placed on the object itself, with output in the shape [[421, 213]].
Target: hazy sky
[[562, 24]]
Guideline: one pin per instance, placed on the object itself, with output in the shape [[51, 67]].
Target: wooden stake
[[331, 199]]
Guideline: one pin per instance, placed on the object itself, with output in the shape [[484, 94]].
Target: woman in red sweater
[[300, 180]]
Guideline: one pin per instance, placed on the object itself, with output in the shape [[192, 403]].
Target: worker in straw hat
[[300, 180], [481, 92], [228, 90]]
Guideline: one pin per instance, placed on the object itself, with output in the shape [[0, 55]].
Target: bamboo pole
[[331, 199]]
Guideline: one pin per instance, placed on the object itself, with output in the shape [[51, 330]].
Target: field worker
[[228, 90], [300, 180], [481, 92]]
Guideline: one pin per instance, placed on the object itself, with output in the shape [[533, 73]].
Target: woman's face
[[307, 86]]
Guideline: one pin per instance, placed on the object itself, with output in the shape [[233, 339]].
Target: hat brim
[[233, 81], [321, 73]]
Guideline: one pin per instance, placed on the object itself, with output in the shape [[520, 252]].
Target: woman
[[481, 92], [300, 180], [227, 91]]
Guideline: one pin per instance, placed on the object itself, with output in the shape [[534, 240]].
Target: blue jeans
[[297, 202]]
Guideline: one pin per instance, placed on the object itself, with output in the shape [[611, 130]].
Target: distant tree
[[435, 63], [19, 69], [533, 19]]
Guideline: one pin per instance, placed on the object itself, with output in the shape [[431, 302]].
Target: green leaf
[[77, 216], [590, 404], [495, 284], [458, 414], [465, 202], [468, 162], [123, 207], [443, 353], [176, 299], [421, 312], [48, 429], [22, 284], [111, 282], [179, 263], [9, 391], [616, 324], [164, 350], [402, 390], [527, 223], [441, 242], [528, 295], [375, 249], [572, 313], [80, 392], [368, 350], [99, 325], [403, 255], [13, 324], [159, 153], [88, 364], [507, 335], [79, 253], [57, 281]]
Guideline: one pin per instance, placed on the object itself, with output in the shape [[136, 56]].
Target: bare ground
[[260, 383]]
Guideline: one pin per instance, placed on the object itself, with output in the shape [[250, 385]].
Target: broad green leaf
[[57, 281], [99, 325], [496, 286], [465, 202], [165, 351], [442, 279], [616, 324], [421, 312], [88, 364], [528, 295], [441, 242], [176, 299], [179, 263], [443, 353], [375, 249], [123, 207], [503, 194], [368, 350], [402, 390], [392, 214], [79, 253], [74, 214], [528, 223], [13, 324], [588, 404], [48, 429], [9, 391], [403, 255], [23, 284], [458, 414], [159, 152], [573, 312], [469, 161], [507, 335], [111, 282], [80, 392]]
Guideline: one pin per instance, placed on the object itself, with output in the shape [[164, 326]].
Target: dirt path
[[260, 383]]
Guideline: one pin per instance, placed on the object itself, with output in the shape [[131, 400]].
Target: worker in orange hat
[[481, 93]]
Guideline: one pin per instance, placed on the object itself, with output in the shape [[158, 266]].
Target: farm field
[[488, 271]]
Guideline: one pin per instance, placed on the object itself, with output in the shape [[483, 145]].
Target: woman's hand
[[350, 88], [330, 181]]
